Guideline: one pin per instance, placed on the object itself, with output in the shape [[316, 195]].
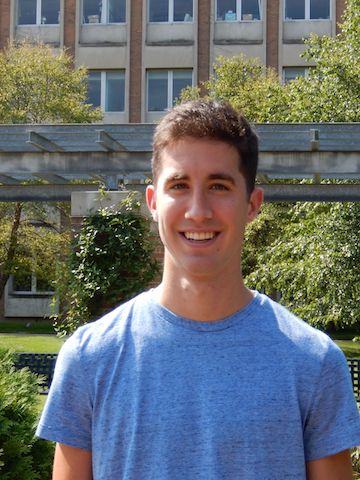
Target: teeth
[[199, 235]]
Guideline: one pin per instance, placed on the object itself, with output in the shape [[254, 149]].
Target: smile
[[198, 236]]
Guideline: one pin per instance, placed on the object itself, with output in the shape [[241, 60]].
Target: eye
[[219, 186], [178, 186]]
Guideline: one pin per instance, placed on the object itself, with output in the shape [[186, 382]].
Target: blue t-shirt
[[156, 396]]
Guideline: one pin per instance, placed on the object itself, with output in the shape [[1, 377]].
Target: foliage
[[21, 454], [40, 243], [355, 457], [313, 260], [37, 86], [112, 261]]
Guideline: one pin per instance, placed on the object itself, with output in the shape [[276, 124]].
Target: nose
[[199, 207]]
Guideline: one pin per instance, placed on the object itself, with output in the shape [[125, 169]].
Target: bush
[[112, 261], [22, 456]]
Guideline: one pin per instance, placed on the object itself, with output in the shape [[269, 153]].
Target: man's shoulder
[[297, 333], [111, 328]]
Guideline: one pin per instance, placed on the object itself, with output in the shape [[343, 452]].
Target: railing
[[44, 364]]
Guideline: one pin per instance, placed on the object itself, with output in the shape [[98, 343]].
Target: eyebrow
[[212, 176]]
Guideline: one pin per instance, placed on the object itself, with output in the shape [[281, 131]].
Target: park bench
[[44, 364], [40, 363]]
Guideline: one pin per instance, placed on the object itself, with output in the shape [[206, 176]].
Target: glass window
[[107, 90], [115, 92], [164, 87], [290, 73], [226, 10], [36, 12], [157, 91], [94, 89], [295, 9], [159, 11], [27, 12], [183, 10], [319, 9], [50, 11], [181, 79], [250, 10], [307, 9], [105, 11], [170, 10]]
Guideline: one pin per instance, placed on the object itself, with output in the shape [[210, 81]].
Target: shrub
[[22, 456], [112, 260]]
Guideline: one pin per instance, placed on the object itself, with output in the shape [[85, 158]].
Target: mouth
[[199, 236]]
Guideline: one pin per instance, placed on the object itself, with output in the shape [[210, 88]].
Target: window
[[170, 10], [104, 11], [107, 90], [238, 10], [38, 12], [290, 73], [164, 87], [30, 284], [307, 9]]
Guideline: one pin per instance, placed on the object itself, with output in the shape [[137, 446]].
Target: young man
[[201, 378]]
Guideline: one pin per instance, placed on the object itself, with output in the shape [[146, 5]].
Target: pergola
[[71, 158]]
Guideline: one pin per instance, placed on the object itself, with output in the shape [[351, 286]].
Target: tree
[[36, 86], [309, 252], [112, 260]]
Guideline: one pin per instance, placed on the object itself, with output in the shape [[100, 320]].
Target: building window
[[107, 90], [164, 87], [170, 10], [238, 10], [30, 284], [290, 73], [307, 9], [38, 12], [104, 11]]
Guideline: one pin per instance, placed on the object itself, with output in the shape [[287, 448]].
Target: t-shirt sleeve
[[67, 414], [333, 421]]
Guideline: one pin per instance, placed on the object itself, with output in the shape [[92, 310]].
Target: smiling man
[[201, 378]]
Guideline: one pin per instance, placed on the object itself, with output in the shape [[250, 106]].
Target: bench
[[40, 363], [44, 364]]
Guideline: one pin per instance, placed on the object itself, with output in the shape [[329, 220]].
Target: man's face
[[201, 205]]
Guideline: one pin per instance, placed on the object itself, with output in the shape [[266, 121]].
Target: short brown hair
[[208, 119]]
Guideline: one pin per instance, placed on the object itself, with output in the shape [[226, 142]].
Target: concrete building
[[141, 53]]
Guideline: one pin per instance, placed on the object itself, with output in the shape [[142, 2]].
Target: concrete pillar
[[135, 74]]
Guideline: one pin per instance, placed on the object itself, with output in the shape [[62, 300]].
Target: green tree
[[308, 252], [112, 260], [36, 86]]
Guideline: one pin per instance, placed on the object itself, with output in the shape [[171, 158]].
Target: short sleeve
[[333, 422], [67, 415]]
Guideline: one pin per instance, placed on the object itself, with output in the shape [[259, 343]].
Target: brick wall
[[272, 33], [340, 7], [70, 25], [4, 22], [203, 53], [135, 76]]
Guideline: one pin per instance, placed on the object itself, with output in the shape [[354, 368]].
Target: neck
[[203, 300]]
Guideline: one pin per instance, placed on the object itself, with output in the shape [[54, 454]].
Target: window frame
[[38, 16], [103, 89], [170, 85], [170, 13], [29, 293], [306, 73], [307, 13], [238, 13], [105, 13]]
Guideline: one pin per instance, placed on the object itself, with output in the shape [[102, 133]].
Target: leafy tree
[[36, 86], [309, 252], [112, 260]]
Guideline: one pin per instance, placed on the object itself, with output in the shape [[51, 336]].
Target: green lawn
[[351, 349], [31, 343]]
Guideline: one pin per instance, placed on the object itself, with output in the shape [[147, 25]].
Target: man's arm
[[71, 463], [334, 467]]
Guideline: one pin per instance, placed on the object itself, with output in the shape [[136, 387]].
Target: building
[[141, 53]]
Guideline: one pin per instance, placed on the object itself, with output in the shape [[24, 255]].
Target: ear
[[255, 202], [151, 201]]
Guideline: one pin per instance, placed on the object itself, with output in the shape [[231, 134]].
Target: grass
[[350, 349], [31, 343]]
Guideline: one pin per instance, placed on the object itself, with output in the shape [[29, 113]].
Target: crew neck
[[217, 325]]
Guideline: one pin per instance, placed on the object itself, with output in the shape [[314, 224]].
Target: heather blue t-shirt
[[156, 396]]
